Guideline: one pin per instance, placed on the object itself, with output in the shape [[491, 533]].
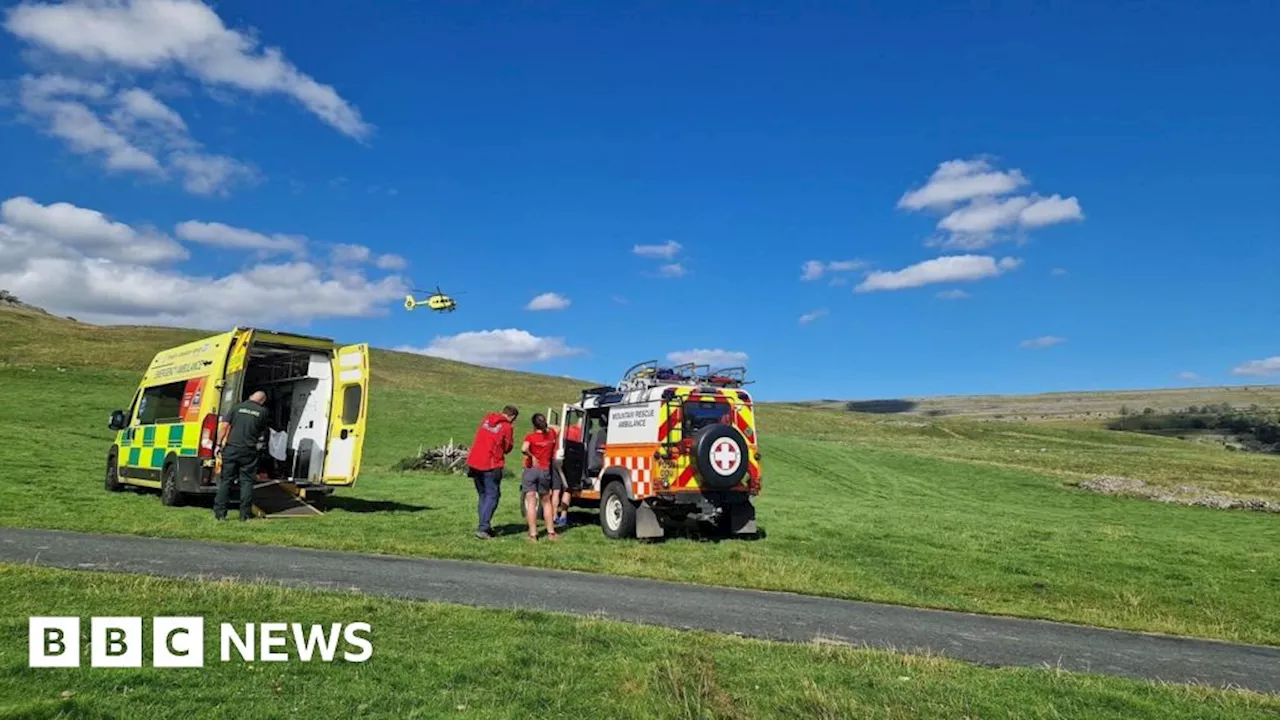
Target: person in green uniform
[[238, 444]]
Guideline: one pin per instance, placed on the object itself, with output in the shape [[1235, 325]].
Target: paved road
[[775, 616]]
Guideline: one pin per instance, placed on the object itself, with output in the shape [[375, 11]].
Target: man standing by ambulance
[[238, 445], [485, 462]]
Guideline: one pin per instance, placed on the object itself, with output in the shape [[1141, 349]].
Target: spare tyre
[[721, 454]]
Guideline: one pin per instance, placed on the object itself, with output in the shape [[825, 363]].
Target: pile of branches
[[447, 458]]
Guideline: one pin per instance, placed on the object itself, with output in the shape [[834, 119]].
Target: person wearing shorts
[[539, 448]]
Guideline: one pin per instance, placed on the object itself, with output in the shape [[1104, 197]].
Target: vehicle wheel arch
[[168, 470], [619, 475]]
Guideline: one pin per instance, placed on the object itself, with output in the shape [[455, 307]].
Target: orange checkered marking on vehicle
[[640, 470]]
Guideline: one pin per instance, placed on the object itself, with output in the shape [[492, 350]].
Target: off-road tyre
[[617, 512], [112, 482], [170, 496]]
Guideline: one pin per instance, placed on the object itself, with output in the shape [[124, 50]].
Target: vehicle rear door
[[570, 452], [348, 410]]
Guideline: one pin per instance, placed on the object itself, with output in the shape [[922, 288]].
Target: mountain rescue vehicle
[[666, 445], [317, 397]]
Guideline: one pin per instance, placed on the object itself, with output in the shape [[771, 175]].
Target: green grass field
[[951, 514], [445, 661]]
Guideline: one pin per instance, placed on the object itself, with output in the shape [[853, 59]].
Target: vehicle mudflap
[[647, 524], [742, 519]]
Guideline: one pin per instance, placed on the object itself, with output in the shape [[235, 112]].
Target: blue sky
[[1099, 181]]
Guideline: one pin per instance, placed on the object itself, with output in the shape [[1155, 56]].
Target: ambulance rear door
[[348, 411]]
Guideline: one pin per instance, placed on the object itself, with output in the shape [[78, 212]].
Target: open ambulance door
[[347, 414], [571, 453]]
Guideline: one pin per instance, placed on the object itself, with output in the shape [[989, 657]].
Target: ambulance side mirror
[[117, 421]]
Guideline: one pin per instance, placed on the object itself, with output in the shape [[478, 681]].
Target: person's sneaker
[[484, 535], [562, 521]]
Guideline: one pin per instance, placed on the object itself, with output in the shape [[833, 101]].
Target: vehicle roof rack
[[597, 391], [734, 377]]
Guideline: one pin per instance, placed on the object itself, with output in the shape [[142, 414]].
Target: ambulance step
[[281, 500]]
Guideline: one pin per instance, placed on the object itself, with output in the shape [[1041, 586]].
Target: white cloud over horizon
[[503, 348], [76, 261], [216, 234], [954, 294], [1188, 376], [953, 268], [978, 208], [1266, 367], [548, 301], [715, 358]]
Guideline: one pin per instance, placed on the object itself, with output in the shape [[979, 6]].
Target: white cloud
[[144, 135], [75, 261], [976, 204], [809, 317], [63, 227], [204, 174], [1188, 376], [219, 235], [1049, 211], [60, 102], [673, 270], [1041, 342], [348, 254], [496, 348], [959, 180], [390, 262], [139, 106], [815, 269], [1258, 368], [157, 35], [956, 294], [714, 358], [666, 251], [548, 301], [1058, 272], [952, 268]]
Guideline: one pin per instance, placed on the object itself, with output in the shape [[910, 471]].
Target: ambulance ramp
[[276, 499]]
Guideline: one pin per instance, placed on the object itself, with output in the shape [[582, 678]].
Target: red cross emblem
[[725, 457]]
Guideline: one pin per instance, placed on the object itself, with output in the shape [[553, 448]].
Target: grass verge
[[432, 660]]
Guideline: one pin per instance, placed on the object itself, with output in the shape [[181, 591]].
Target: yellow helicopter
[[435, 302]]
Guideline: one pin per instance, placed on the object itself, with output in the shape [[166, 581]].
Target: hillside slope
[[33, 338], [950, 513]]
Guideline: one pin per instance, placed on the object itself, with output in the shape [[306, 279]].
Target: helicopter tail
[[409, 302]]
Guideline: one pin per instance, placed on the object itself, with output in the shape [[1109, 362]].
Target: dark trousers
[[488, 491], [238, 465]]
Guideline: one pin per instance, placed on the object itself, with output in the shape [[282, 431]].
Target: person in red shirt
[[486, 461], [539, 447]]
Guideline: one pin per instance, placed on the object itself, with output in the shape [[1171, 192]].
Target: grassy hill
[[940, 512]]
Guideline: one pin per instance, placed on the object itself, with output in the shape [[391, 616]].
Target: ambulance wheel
[[617, 513], [169, 494], [113, 473]]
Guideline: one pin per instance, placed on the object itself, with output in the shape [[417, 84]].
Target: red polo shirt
[[542, 446]]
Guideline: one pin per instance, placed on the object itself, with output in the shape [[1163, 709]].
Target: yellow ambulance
[[318, 399]]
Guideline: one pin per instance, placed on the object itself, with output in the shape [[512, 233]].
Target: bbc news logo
[[178, 642]]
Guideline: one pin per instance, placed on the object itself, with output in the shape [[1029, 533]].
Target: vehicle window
[[702, 413], [161, 404], [351, 397]]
